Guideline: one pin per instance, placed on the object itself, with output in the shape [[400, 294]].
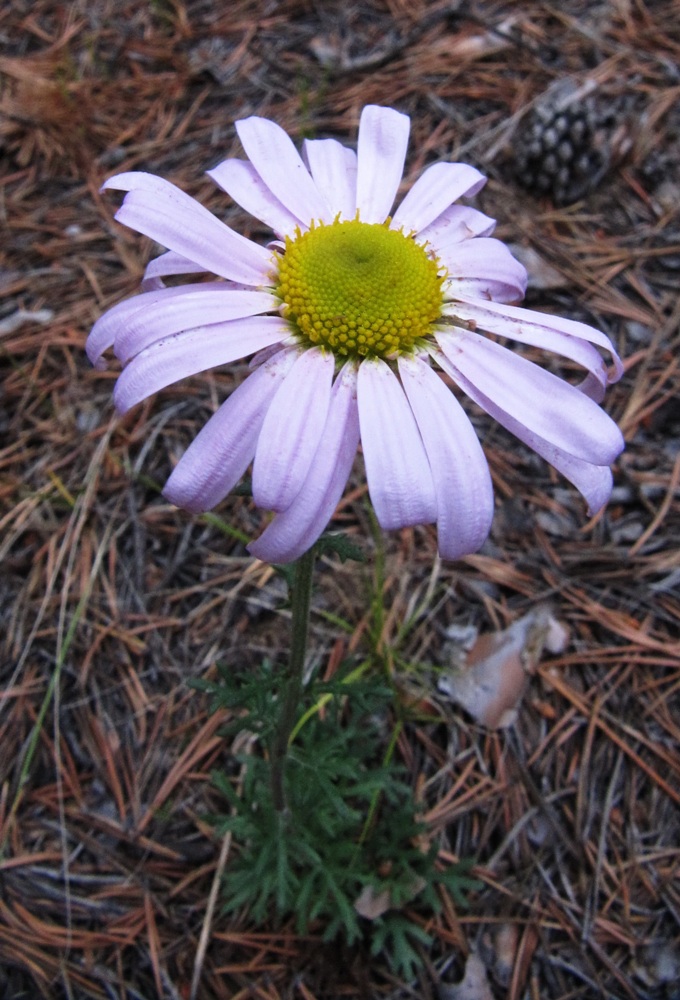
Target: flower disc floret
[[359, 289]]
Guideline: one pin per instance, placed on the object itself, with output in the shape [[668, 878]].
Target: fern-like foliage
[[350, 823]]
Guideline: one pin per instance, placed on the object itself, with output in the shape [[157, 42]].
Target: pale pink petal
[[203, 306], [296, 529], [334, 169], [167, 264], [398, 473], [594, 385], [242, 182], [381, 151], [160, 210], [460, 472], [567, 337], [540, 401], [280, 166], [457, 223], [268, 352], [594, 482], [211, 244], [103, 334], [114, 321], [483, 268], [217, 458], [292, 429], [182, 354], [434, 191]]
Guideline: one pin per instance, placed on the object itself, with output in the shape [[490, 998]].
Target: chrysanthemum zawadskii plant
[[349, 316]]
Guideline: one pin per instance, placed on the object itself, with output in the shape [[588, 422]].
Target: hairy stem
[[291, 687]]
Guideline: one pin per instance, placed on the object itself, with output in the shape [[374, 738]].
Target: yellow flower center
[[359, 289]]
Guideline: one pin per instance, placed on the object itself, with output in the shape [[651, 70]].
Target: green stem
[[291, 687]]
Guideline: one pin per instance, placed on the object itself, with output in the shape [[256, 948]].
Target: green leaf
[[341, 545], [351, 814]]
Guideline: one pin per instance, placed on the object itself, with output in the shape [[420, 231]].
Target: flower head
[[350, 317]]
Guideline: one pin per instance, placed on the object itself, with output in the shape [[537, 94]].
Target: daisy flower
[[351, 317]]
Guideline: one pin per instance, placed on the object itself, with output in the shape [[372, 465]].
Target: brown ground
[[110, 599]]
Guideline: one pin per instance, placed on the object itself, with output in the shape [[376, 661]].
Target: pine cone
[[560, 150]]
